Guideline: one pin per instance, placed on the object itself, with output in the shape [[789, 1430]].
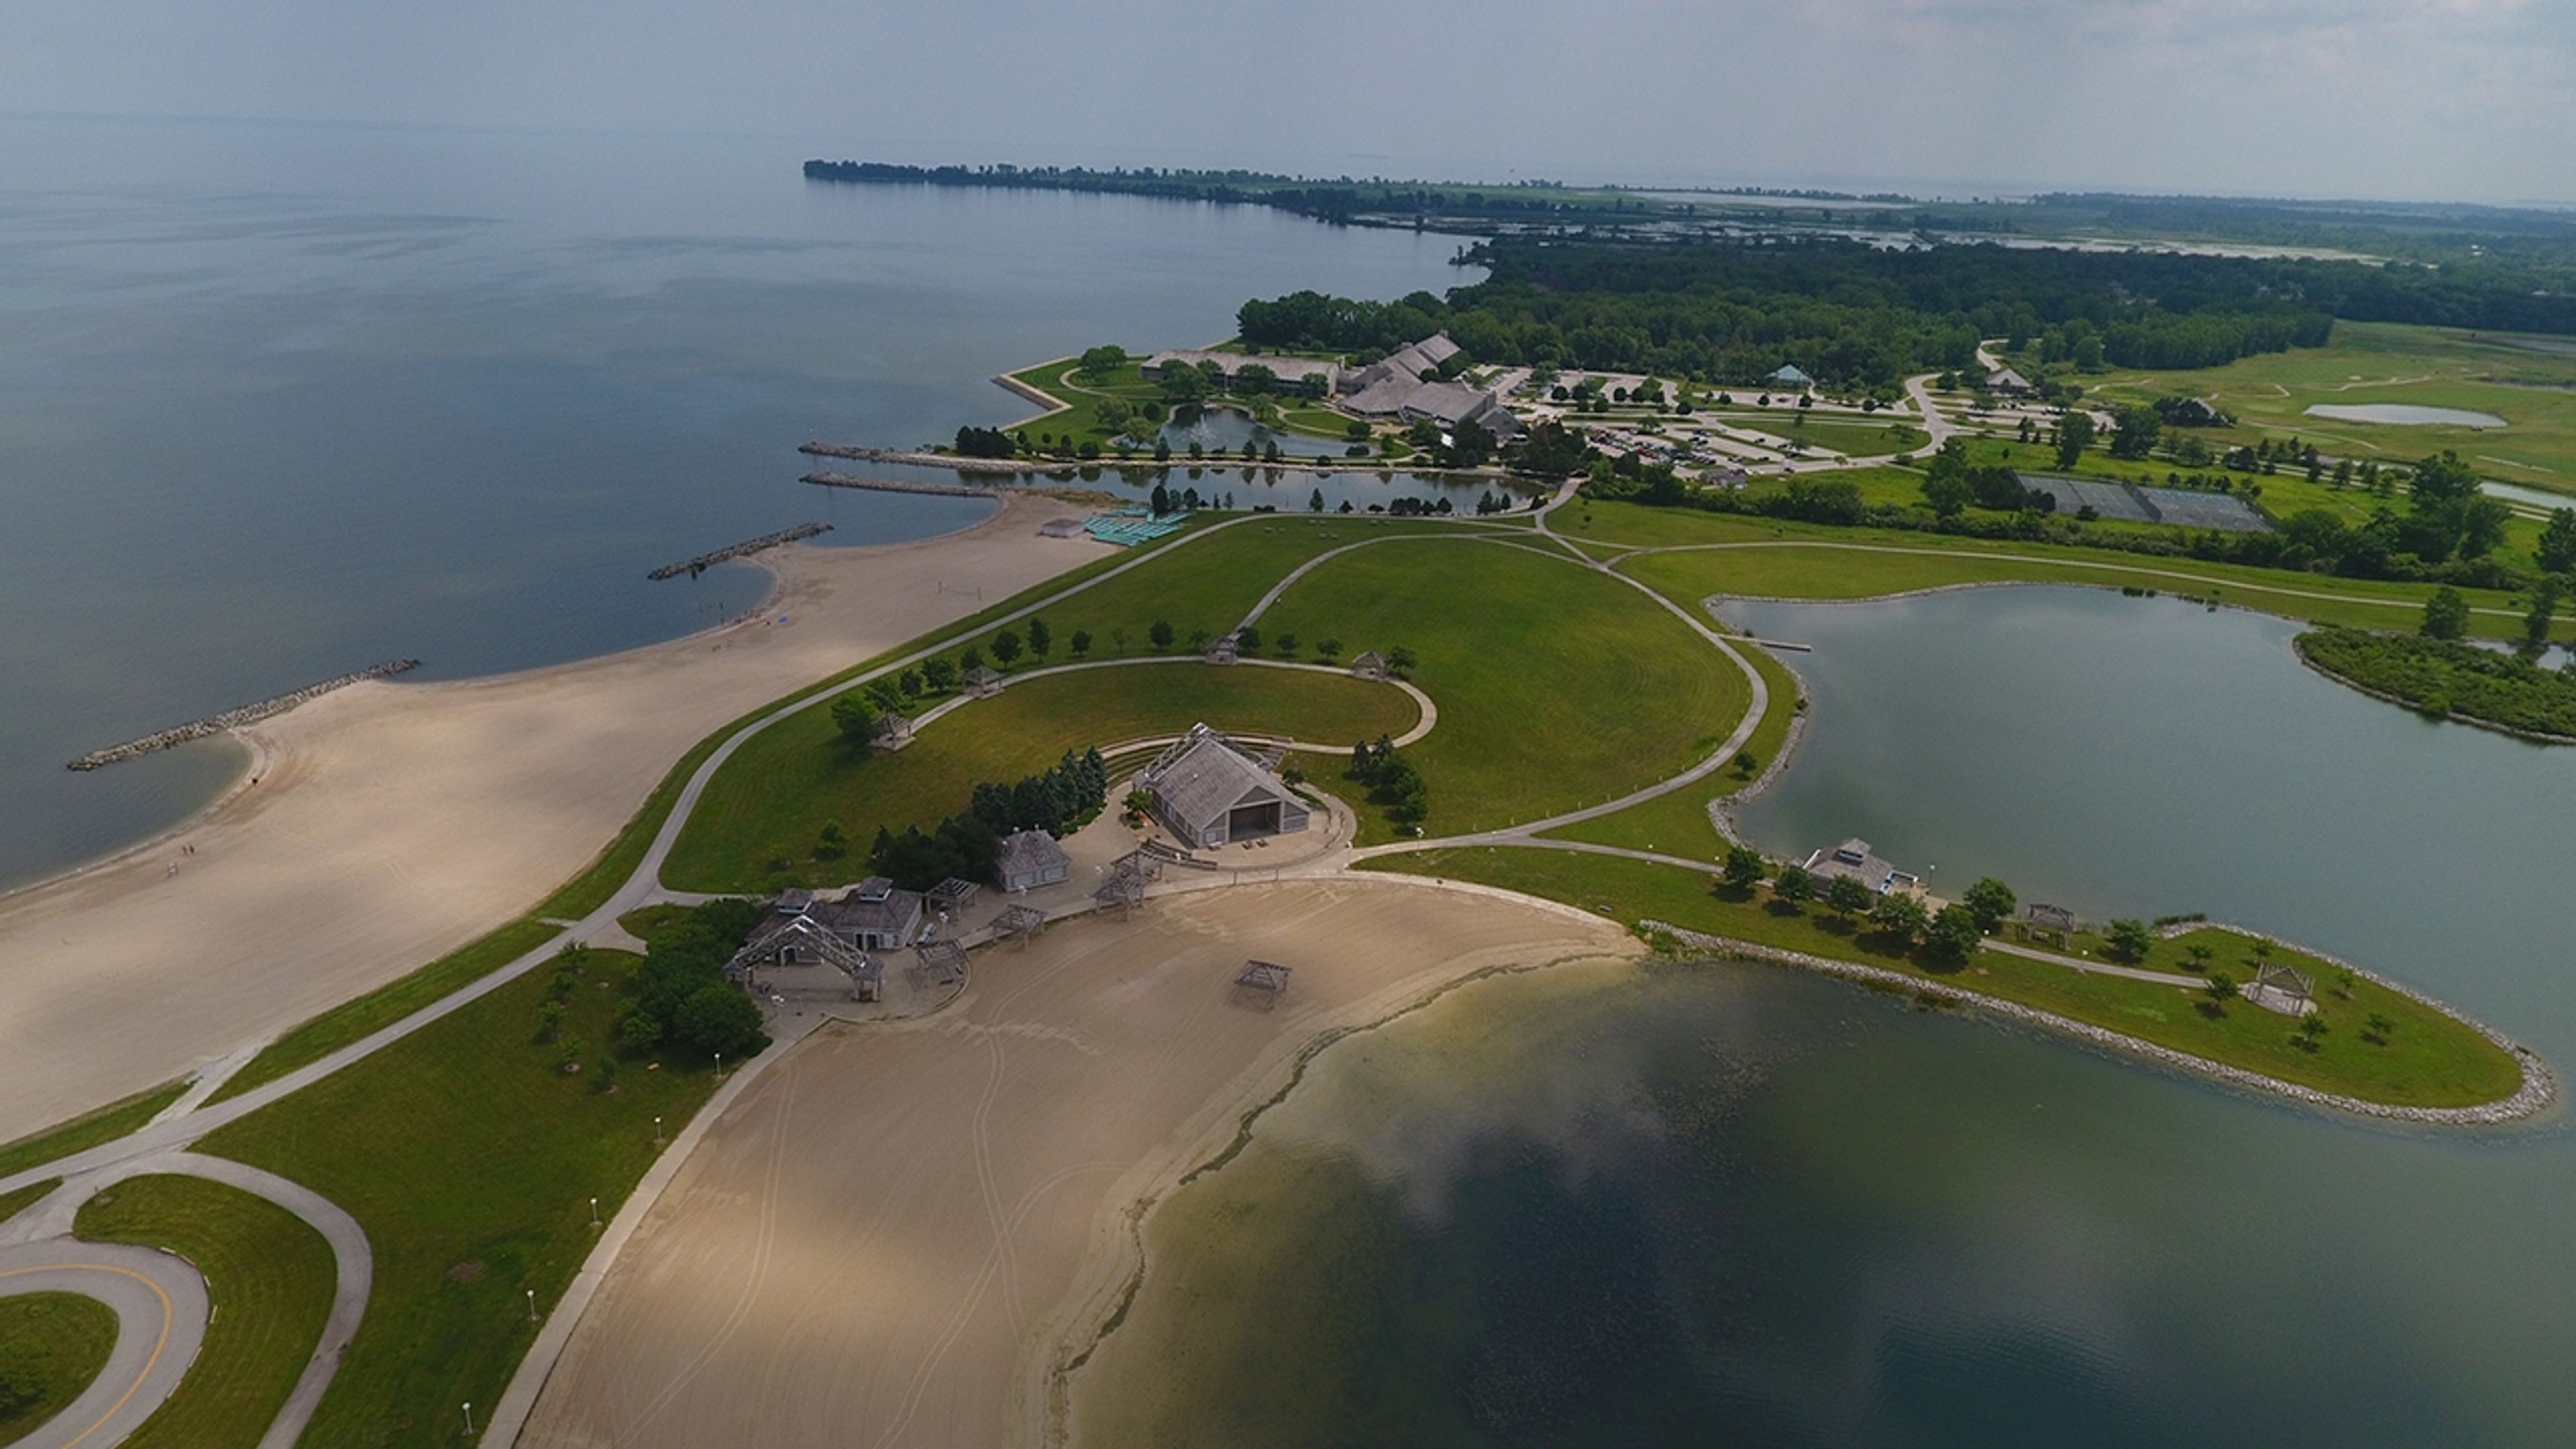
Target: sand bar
[[892, 1235], [392, 823]]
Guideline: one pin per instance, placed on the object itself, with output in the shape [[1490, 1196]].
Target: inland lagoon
[[1726, 1203], [2405, 415]]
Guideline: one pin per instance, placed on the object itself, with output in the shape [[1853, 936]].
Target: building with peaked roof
[[1791, 378], [2008, 382], [981, 680], [1208, 793], [1029, 859], [1370, 665], [873, 915], [1853, 858]]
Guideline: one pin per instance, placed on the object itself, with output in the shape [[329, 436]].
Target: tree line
[[1059, 800]]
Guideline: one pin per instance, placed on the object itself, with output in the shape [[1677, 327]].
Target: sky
[[2471, 100]]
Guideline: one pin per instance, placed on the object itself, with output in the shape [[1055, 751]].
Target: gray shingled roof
[[1286, 369], [1206, 779], [1030, 852]]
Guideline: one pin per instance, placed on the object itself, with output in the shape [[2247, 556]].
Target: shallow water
[[1735, 1205], [2405, 415], [277, 402]]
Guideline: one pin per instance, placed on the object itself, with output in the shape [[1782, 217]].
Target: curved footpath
[[160, 1307]]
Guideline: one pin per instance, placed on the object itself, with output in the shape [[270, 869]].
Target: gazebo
[[982, 681], [893, 732], [952, 894], [1021, 921], [938, 963], [2042, 918], [1222, 650], [2285, 989], [1371, 665], [1123, 891], [1262, 981]]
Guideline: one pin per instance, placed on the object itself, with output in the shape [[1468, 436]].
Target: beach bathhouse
[[1853, 858], [1029, 859], [1209, 793]]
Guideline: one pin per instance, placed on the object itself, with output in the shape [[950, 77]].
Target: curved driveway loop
[[160, 1307]]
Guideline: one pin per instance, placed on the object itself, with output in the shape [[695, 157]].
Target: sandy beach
[[392, 823], [893, 1235]]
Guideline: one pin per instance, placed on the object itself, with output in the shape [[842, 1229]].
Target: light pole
[[657, 1131], [532, 1305], [469, 1421], [720, 1066], [594, 1212]]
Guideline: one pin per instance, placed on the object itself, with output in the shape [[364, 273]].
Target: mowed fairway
[[894, 1233], [772, 799], [1558, 688], [2530, 388]]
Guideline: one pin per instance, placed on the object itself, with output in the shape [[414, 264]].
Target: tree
[[1328, 649], [2446, 614], [2134, 431], [909, 682], [2130, 938], [1846, 897], [2221, 988], [1247, 640], [2557, 552], [2535, 625], [1006, 646], [1285, 646], [2312, 1027], [2074, 435], [1041, 638], [971, 659], [1899, 915], [1099, 362], [855, 718], [1315, 501], [1744, 867], [1793, 884], [1953, 934], [1400, 661], [1080, 643], [2199, 952], [1990, 901], [939, 674], [2377, 1026], [1160, 635], [1947, 490], [718, 1019]]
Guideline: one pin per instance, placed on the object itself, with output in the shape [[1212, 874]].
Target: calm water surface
[[1732, 1205], [277, 402]]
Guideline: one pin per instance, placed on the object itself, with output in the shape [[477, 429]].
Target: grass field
[[1857, 440], [1677, 823], [1811, 562], [89, 1129], [773, 797], [53, 1344], [2533, 391], [470, 1159], [1081, 419], [387, 1004], [14, 1203], [270, 1278], [1557, 688], [2428, 1060]]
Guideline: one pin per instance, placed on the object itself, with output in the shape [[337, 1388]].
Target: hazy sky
[[2466, 99]]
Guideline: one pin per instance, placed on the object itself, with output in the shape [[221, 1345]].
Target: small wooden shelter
[[2285, 989], [1262, 981], [2042, 919], [1020, 921], [938, 963], [1123, 891], [982, 681], [1370, 665]]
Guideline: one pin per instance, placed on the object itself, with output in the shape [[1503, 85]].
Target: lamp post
[[657, 1131], [469, 1421], [720, 1066], [532, 1305], [594, 1212]]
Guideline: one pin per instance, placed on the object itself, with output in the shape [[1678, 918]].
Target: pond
[[2404, 415], [2536, 497], [1733, 1204]]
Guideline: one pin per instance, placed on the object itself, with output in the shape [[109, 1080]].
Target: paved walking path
[[160, 1307]]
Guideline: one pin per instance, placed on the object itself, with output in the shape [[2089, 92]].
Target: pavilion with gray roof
[[1030, 858], [1854, 858], [1208, 793]]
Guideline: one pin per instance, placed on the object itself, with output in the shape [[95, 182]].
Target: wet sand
[[392, 823], [898, 1232]]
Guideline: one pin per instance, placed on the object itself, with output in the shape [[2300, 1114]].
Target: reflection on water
[[1734, 1205]]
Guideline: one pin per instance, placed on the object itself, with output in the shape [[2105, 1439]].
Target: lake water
[[2404, 415], [277, 402], [2536, 497], [1735, 1205]]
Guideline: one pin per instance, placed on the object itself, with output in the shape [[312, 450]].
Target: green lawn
[[14, 1203], [51, 1346], [1206, 588], [387, 1004], [89, 1129], [771, 800], [2429, 1060], [270, 1278], [1557, 688], [1805, 561], [1857, 440], [471, 1160], [2384, 363], [1081, 419], [1677, 823]]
